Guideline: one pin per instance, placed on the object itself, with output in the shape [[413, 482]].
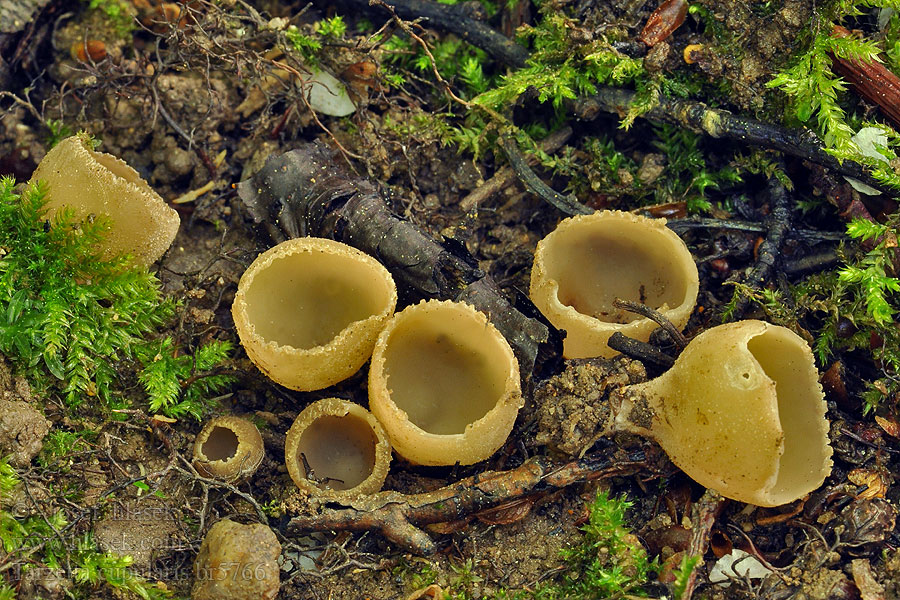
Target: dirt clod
[[22, 427], [237, 562], [573, 407]]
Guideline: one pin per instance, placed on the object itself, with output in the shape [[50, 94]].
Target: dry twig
[[399, 517]]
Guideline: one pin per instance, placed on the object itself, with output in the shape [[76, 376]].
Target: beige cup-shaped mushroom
[[444, 383], [95, 183], [741, 412], [590, 260], [228, 448], [337, 450], [308, 311]]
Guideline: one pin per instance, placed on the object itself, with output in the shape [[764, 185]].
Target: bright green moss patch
[[66, 315]]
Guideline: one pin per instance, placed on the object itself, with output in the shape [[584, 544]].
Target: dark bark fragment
[[722, 124], [455, 18]]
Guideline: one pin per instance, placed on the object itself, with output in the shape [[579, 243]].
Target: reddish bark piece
[[664, 20], [871, 80]]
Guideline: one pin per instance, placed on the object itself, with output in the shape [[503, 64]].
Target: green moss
[[814, 90], [75, 322], [67, 316], [178, 383]]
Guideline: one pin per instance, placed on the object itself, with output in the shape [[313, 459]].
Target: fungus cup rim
[[451, 448], [337, 407]]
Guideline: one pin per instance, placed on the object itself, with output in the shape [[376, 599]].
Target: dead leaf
[[875, 484]]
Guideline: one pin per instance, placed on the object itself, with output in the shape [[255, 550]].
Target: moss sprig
[[610, 561], [180, 384], [815, 91]]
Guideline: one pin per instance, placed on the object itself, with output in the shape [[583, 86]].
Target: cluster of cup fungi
[[741, 411]]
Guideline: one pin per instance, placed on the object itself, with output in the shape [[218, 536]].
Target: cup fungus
[[308, 311], [228, 448], [741, 412], [94, 183], [444, 384], [590, 260], [336, 449]]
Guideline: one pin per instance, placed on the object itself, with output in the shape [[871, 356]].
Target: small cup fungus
[[444, 383], [337, 450], [95, 183], [590, 260], [741, 412], [308, 311], [228, 448]]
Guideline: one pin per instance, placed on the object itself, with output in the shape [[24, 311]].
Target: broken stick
[[399, 517]]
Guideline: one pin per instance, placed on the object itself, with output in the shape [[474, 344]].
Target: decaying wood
[[399, 517], [305, 192], [722, 124]]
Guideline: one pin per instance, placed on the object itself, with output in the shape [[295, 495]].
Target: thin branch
[[722, 124], [642, 351], [505, 175], [399, 517], [655, 316], [455, 19], [567, 204]]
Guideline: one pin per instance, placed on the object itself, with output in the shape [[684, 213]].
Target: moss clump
[[66, 315]]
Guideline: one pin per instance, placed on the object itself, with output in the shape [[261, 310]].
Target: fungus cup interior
[[800, 411], [308, 311], [340, 451], [442, 375], [305, 299], [741, 412], [221, 444], [444, 383], [589, 261], [228, 448], [337, 449]]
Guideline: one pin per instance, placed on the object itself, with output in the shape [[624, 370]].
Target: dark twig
[[778, 224], [399, 517], [567, 204], [812, 262], [807, 235], [456, 19], [641, 351], [703, 516], [505, 175], [655, 316], [722, 124]]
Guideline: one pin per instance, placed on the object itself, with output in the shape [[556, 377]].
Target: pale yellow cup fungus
[[741, 412], [308, 311], [337, 450], [444, 383], [94, 184], [590, 260], [228, 448]]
